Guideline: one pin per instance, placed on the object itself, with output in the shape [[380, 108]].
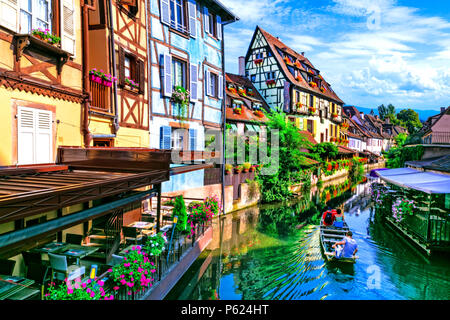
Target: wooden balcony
[[101, 98]]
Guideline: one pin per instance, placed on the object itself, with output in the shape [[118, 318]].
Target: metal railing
[[163, 263], [100, 96]]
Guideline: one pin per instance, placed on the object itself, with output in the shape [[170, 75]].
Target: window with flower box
[[23, 16], [131, 72]]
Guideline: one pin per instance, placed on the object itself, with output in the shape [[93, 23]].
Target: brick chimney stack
[[242, 66]]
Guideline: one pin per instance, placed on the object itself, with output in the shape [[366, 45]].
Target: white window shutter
[[192, 12], [43, 135], [206, 20], [208, 82], [194, 82], [219, 28], [25, 135], [9, 14], [68, 26], [167, 75], [165, 12], [220, 88]]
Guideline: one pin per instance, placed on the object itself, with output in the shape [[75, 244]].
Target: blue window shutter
[[165, 137], [206, 20], [219, 28], [194, 82], [220, 88], [193, 139], [192, 13], [165, 12], [167, 75]]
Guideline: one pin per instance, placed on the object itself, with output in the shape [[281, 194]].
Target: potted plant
[[154, 245], [246, 167], [179, 210], [134, 273], [181, 96], [237, 169], [228, 168]]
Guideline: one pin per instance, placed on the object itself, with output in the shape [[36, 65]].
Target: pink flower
[[116, 288], [69, 291], [92, 294]]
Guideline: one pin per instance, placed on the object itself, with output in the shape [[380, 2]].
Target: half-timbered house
[[186, 53], [289, 82]]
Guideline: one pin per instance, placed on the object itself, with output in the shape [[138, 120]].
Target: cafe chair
[[60, 269], [7, 267], [74, 238], [132, 234]]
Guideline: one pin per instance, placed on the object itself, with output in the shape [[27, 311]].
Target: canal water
[[273, 252]]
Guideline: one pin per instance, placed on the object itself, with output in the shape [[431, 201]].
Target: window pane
[[42, 10], [25, 22], [178, 73], [41, 24], [26, 5]]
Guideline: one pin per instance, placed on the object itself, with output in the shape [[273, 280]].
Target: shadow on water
[[273, 252]]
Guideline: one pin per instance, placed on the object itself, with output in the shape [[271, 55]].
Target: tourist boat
[[329, 235]]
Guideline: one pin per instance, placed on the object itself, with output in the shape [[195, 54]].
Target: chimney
[[242, 66]]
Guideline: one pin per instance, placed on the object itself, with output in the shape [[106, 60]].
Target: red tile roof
[[276, 43]]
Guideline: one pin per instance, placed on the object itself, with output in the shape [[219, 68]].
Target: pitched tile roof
[[275, 43]]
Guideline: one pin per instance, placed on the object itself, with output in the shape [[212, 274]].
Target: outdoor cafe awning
[[428, 182]]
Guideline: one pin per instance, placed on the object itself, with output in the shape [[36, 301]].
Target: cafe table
[[143, 226], [50, 247], [77, 251], [16, 288]]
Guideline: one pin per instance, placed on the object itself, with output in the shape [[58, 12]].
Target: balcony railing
[[100, 96]]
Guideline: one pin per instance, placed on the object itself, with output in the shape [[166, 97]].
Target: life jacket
[[328, 217]]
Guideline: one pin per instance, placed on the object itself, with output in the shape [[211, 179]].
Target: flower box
[[237, 110], [259, 61], [46, 36], [242, 92], [102, 78], [270, 82], [312, 109], [312, 84], [258, 113], [334, 115], [232, 90]]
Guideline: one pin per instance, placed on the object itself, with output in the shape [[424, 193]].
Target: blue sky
[[371, 51]]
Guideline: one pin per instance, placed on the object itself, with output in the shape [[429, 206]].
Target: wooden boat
[[329, 235]]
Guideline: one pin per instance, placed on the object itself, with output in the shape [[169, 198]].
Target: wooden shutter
[[26, 130], [34, 136], [208, 83], [206, 20], [165, 137], [68, 26], [165, 12], [192, 12], [220, 87], [141, 68], [121, 66], [219, 28], [167, 75], [194, 82], [43, 153], [9, 14], [192, 139]]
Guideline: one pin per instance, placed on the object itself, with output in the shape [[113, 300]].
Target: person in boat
[[346, 248], [339, 219], [328, 217]]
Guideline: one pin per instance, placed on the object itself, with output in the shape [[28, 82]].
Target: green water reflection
[[273, 252]]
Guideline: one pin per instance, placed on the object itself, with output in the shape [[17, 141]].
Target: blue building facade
[[186, 50]]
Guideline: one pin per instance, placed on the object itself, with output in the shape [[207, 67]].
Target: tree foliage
[[410, 119]]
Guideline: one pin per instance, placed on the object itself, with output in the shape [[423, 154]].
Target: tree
[[400, 139], [410, 118], [325, 150], [275, 187], [179, 209]]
